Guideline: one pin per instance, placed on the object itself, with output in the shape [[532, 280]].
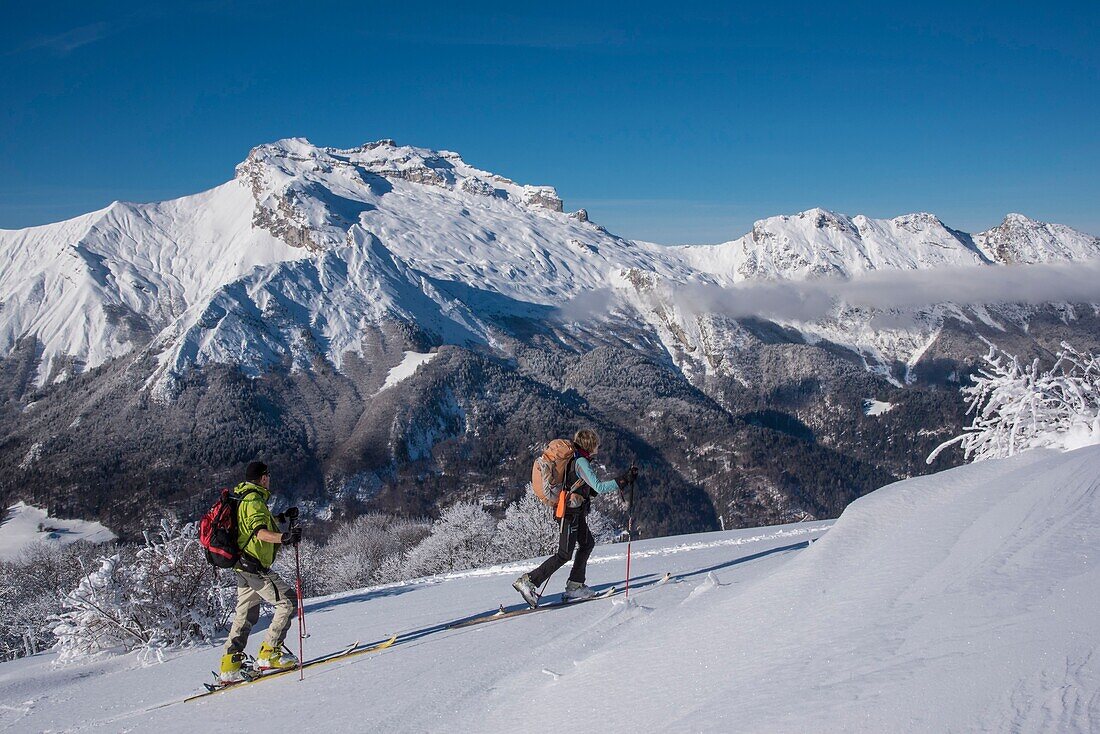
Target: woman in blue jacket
[[574, 528]]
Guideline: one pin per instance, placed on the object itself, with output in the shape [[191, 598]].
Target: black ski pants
[[574, 534]]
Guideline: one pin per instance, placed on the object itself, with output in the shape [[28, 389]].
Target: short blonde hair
[[587, 439]]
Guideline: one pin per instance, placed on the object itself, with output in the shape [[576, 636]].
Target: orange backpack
[[548, 475]]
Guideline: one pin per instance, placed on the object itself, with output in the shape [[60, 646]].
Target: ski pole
[[301, 611], [298, 582], [629, 538]]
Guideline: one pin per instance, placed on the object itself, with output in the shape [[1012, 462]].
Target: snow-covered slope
[[1019, 239], [23, 526], [407, 368], [819, 242], [960, 601]]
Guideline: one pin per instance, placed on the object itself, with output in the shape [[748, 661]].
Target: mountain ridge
[[150, 350], [101, 285]]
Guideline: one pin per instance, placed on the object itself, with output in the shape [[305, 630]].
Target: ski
[[348, 652], [602, 595], [503, 613]]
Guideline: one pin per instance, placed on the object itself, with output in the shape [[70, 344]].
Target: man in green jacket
[[259, 538]]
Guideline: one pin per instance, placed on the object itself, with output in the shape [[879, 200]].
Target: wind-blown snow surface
[[961, 601], [20, 528]]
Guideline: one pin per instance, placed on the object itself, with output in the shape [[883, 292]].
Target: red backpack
[[218, 530]]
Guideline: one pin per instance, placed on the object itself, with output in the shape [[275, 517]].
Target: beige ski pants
[[252, 589]]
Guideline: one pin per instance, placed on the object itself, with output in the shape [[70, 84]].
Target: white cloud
[[904, 290]]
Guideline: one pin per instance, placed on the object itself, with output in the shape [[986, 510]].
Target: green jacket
[[253, 515]]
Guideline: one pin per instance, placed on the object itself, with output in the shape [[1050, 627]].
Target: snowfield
[[876, 407], [960, 601], [408, 367], [19, 529]]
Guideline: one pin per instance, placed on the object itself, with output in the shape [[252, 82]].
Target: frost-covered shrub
[[31, 592], [603, 529], [381, 549], [1018, 407], [528, 530], [311, 555], [461, 538], [392, 569], [160, 594], [97, 615], [352, 557]]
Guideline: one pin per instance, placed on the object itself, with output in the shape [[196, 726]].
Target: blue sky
[[675, 123]]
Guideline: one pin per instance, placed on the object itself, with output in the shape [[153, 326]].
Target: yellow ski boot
[[231, 668], [272, 659]]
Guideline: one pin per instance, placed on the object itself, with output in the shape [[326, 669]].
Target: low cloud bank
[[904, 290]]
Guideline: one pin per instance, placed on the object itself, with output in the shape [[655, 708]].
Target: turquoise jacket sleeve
[[584, 471]]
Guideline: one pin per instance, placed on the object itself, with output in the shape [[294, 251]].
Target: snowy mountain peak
[[917, 221], [822, 218], [1020, 240], [309, 196], [297, 158], [355, 236], [819, 242]]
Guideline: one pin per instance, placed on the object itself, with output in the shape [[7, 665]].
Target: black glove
[[292, 536], [289, 514], [627, 477]]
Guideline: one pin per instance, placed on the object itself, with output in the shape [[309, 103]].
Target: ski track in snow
[[795, 531], [959, 601]]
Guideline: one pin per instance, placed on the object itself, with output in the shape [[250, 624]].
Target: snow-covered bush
[[160, 594], [392, 569], [30, 595], [461, 538], [603, 528], [1018, 407], [353, 555], [529, 530], [97, 613], [311, 553]]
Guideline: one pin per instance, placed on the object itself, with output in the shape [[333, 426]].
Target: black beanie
[[255, 470]]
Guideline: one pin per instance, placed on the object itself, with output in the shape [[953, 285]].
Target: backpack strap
[[572, 468], [251, 535]]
